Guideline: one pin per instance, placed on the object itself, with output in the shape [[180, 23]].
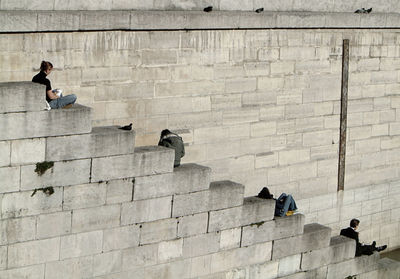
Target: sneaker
[[381, 248], [289, 213]]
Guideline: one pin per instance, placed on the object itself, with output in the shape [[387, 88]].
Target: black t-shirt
[[42, 79]]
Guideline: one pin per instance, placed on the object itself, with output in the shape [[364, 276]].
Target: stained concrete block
[[55, 224], [212, 199], [148, 160], [21, 96], [170, 250], [340, 249], [32, 272], [184, 179], [70, 268], [289, 265], [89, 20], [58, 20], [61, 174], [27, 151], [192, 224], [139, 256], [90, 219], [201, 244], [81, 244], [157, 231], [3, 257], [33, 252], [56, 122], [146, 210], [315, 237], [101, 142], [352, 267], [17, 230], [280, 227], [388, 269], [10, 179], [107, 263], [121, 238], [254, 210], [22, 204], [84, 196], [118, 191]]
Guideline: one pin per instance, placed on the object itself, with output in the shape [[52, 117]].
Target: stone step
[[56, 122], [253, 211], [184, 179], [280, 227], [21, 97], [388, 269], [314, 237], [340, 249], [214, 198], [101, 142], [356, 266], [147, 160]]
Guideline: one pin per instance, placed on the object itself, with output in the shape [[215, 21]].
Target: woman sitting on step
[[284, 205], [55, 101]]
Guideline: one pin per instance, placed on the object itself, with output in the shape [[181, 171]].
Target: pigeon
[[208, 9], [369, 10], [259, 10], [127, 127], [47, 190], [363, 11]]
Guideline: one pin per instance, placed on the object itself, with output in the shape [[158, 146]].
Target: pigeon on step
[[259, 10], [208, 9], [127, 127]]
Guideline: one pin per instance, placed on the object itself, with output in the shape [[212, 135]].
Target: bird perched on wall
[[127, 127], [208, 9], [363, 11], [259, 10]]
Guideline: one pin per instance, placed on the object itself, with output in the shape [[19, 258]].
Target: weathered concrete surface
[[56, 122], [26, 21], [21, 96]]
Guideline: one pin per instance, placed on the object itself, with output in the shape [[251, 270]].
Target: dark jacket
[[174, 141], [351, 233]]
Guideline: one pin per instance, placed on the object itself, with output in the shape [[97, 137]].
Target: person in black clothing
[[52, 98], [174, 141], [361, 249]]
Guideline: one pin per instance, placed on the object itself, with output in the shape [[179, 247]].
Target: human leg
[[63, 101]]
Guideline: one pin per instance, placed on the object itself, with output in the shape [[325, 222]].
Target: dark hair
[[165, 132], [45, 65], [354, 223], [265, 194]]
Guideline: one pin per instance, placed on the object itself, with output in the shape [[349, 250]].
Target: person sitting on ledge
[[52, 98], [285, 205], [361, 249], [172, 140]]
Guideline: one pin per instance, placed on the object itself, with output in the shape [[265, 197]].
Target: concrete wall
[[246, 5], [260, 107]]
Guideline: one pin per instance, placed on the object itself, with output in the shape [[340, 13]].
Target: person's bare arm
[[51, 95]]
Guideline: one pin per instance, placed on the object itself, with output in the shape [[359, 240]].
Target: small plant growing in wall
[[42, 167]]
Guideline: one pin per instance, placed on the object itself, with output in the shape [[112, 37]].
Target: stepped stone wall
[[122, 212], [260, 107]]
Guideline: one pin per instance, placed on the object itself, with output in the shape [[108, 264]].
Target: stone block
[[22, 204], [281, 227], [184, 179], [17, 230], [352, 267], [266, 160], [107, 263], [81, 244], [176, 269], [146, 210], [116, 20], [33, 252], [118, 191], [62, 173], [157, 231], [5, 153], [56, 122], [96, 218], [192, 224], [389, 268], [230, 259], [294, 156], [31, 272], [21, 96], [340, 249], [121, 238], [70, 268], [145, 161], [3, 257], [289, 265], [230, 238], [141, 256], [201, 244], [58, 21], [101, 142], [253, 210], [28, 151], [55, 224], [212, 199], [315, 236], [10, 179], [85, 195], [170, 250]]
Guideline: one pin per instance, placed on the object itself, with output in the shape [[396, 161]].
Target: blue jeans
[[283, 204], [62, 101]]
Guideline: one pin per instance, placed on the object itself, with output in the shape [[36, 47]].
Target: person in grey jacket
[[172, 140]]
